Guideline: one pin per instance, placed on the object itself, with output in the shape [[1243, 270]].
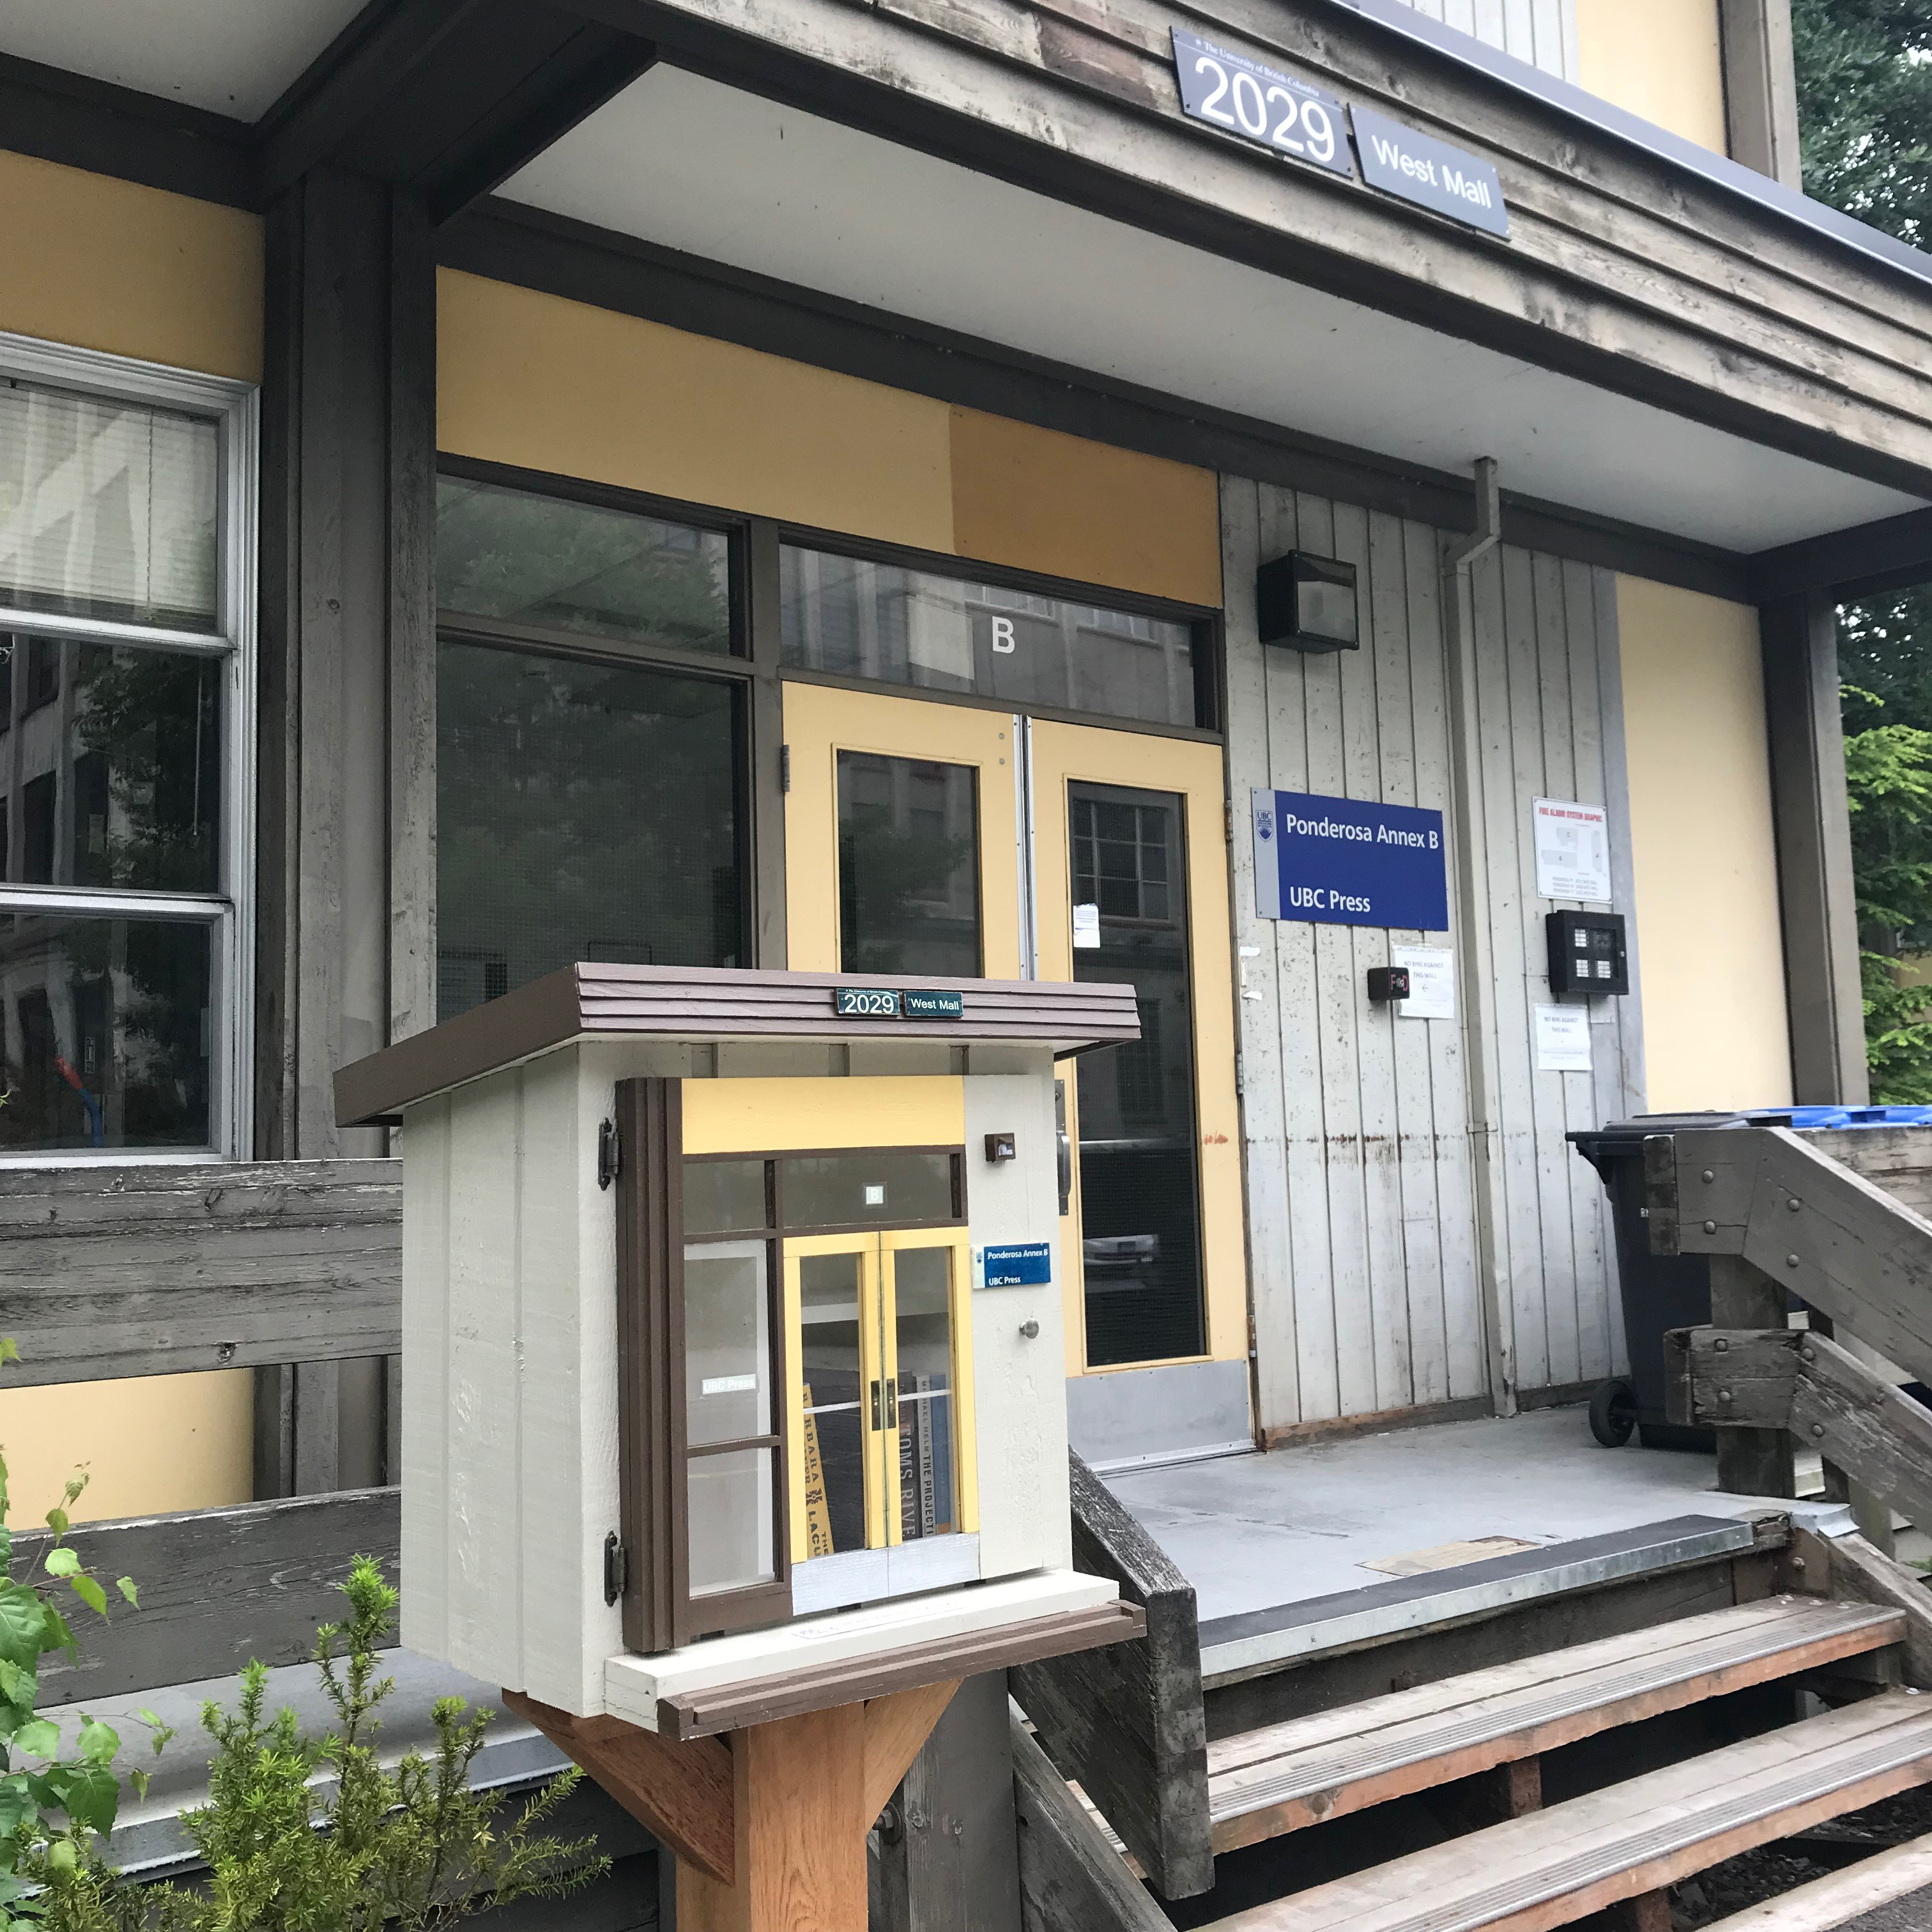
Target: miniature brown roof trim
[[702, 1004]]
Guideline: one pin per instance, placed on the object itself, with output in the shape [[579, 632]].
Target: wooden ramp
[[1553, 1868], [1265, 1783]]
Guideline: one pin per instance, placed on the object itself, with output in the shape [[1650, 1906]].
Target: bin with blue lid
[[1660, 1292]]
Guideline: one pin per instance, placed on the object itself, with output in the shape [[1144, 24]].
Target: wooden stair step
[[1553, 1868], [1827, 1903], [1262, 1784]]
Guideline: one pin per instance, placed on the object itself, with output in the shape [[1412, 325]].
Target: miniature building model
[[733, 1369]]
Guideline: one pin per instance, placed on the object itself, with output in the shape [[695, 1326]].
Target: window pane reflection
[[727, 1344], [107, 509], [729, 1506], [107, 1033], [110, 766], [830, 1364], [1139, 1199], [908, 866], [923, 1324], [585, 811], [566, 566], [859, 619]]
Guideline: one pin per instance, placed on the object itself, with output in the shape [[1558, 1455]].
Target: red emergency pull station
[[1388, 983]]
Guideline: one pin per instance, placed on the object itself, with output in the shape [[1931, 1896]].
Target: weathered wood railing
[[1831, 1218], [1128, 1723], [108, 1272]]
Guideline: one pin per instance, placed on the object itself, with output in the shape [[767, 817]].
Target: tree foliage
[[1864, 109], [1864, 105], [317, 1834]]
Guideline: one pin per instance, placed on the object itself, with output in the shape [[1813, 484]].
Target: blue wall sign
[[1018, 1265], [1346, 861]]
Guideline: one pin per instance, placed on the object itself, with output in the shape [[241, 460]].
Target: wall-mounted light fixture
[[1307, 603]]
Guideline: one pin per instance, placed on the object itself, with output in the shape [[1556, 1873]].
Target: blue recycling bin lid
[[1803, 1119]]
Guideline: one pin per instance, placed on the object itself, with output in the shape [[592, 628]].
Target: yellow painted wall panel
[[534, 380], [106, 264], [150, 1445], [1661, 58], [1710, 944], [1035, 499], [757, 1116]]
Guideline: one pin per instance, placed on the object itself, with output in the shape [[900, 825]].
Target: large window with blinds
[[127, 536]]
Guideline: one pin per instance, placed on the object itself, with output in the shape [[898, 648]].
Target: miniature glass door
[[881, 1421]]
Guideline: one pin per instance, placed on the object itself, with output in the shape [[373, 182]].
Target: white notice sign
[[1086, 928], [1563, 1039], [1573, 851], [1432, 982]]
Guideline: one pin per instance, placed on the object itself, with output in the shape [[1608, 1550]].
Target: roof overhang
[[1665, 343]]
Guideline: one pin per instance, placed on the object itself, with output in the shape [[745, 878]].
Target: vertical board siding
[[1362, 1220], [1543, 32]]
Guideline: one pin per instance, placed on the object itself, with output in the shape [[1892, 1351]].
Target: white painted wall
[[1370, 1285], [1543, 32]]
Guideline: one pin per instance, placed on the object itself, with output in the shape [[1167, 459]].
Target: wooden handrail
[[1789, 1205], [108, 1272]]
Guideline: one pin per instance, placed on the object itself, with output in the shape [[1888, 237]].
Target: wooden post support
[[1750, 1462], [768, 1824]]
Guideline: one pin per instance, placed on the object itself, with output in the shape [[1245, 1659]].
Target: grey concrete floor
[[1253, 1532]]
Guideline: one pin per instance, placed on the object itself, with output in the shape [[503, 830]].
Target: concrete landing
[[1254, 1533]]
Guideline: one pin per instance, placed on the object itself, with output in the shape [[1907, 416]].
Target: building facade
[[677, 484]]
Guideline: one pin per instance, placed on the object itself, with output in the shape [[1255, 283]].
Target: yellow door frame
[[821, 721], [894, 1242], [1062, 755]]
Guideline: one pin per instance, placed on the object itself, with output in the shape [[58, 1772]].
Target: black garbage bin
[[1660, 1292]]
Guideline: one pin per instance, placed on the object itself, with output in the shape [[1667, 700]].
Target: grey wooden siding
[[1369, 1286], [1543, 32]]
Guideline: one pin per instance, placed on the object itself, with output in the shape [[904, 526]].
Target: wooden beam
[[1071, 1879], [896, 1726], [1130, 1724], [154, 1271], [682, 1793], [217, 1588], [799, 1809], [1806, 1220], [1818, 913], [1863, 1574], [1750, 1462], [1848, 563], [1827, 1903], [1824, 1396]]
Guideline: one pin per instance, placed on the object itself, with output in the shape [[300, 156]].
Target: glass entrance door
[[1130, 865], [881, 1397], [901, 837]]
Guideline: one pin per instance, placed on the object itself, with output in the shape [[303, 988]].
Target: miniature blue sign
[[1346, 861], [1019, 1264]]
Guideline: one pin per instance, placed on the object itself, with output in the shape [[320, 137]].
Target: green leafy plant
[[53, 1808], [317, 1834]]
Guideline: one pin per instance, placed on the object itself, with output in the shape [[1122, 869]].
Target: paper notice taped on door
[[1086, 928]]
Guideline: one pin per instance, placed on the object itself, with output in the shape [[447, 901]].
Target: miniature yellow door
[[881, 1395], [902, 825], [1131, 873]]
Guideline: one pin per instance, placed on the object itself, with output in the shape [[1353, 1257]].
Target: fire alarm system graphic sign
[[1347, 861]]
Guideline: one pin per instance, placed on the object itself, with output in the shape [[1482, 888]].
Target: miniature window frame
[[659, 1611]]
